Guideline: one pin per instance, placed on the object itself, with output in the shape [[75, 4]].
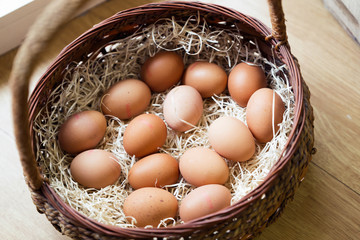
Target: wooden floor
[[327, 204]]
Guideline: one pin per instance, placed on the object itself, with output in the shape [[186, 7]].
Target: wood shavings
[[85, 83]]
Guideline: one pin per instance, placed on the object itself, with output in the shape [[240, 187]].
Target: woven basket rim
[[214, 218]]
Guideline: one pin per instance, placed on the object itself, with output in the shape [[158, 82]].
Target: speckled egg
[[126, 99], [150, 205]]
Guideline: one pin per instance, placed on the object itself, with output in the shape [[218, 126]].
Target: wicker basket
[[243, 220]]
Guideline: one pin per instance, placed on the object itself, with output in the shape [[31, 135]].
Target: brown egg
[[244, 80], [155, 170], [207, 78], [200, 166], [162, 71], [95, 168], [126, 99], [82, 131], [204, 200], [259, 114], [183, 108], [231, 139], [145, 134], [149, 206]]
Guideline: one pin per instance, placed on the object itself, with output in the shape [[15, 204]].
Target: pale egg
[[183, 108]]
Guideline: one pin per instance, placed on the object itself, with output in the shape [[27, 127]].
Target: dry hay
[[85, 83]]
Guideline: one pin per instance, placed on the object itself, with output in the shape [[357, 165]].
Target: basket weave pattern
[[245, 219]]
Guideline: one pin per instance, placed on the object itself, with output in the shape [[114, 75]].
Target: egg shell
[[259, 114], [95, 168], [183, 108], [149, 206], [155, 170], [200, 166], [204, 200], [231, 138], [126, 99], [162, 71], [144, 135], [207, 78], [82, 131], [244, 80]]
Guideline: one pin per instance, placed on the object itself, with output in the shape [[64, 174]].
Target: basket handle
[[35, 42], [277, 18]]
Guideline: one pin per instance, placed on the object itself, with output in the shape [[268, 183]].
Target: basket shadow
[[6, 62]]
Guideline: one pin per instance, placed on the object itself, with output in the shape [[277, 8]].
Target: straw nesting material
[[85, 83]]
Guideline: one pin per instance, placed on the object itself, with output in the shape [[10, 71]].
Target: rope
[[35, 42]]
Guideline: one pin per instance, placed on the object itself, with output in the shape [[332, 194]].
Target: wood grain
[[327, 204], [320, 210], [330, 63]]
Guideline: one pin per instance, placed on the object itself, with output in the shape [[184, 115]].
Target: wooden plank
[[323, 208], [329, 60], [19, 217], [18, 214]]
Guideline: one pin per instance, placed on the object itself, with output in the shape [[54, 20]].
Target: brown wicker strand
[[38, 36]]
